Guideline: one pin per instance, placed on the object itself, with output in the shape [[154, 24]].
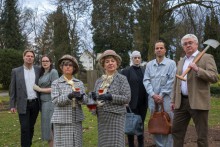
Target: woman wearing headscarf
[[111, 107], [68, 93], [139, 97]]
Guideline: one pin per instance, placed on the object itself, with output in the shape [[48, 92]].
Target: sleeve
[[124, 95], [54, 75], [58, 98], [167, 88], [210, 73], [12, 90], [147, 82]]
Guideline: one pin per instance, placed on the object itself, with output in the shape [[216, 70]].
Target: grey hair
[[187, 36]]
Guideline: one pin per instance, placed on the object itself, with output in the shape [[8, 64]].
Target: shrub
[[9, 59]]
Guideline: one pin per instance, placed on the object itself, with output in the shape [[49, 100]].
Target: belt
[[32, 100], [184, 96]]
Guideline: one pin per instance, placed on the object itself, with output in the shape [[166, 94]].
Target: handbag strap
[[129, 109], [157, 107]]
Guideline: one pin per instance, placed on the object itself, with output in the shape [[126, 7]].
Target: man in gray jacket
[[23, 98]]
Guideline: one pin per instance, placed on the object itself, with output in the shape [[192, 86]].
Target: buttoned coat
[[111, 116], [18, 90], [198, 84], [63, 109], [133, 82]]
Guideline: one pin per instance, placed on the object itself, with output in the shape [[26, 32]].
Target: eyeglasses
[[137, 57], [45, 61], [188, 43], [68, 64]]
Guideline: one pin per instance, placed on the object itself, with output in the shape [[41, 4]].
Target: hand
[[93, 95], [106, 96], [37, 88], [172, 106], [194, 67], [157, 99], [13, 110], [75, 94]]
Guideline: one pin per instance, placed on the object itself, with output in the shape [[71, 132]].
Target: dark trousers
[[142, 111], [181, 121], [27, 122]]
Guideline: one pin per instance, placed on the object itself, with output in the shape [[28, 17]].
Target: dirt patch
[[191, 137]]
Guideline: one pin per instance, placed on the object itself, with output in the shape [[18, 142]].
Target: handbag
[[133, 124], [159, 122]]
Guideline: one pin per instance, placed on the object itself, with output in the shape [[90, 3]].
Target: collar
[[26, 68], [193, 55], [162, 63]]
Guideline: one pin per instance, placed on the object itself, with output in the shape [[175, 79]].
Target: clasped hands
[[105, 97], [75, 94], [157, 99]]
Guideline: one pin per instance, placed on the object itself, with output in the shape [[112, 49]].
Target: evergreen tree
[[212, 31], [113, 23], [11, 33], [61, 41]]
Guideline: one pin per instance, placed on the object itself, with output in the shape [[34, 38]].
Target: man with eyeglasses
[[191, 98], [23, 98], [158, 81], [138, 103]]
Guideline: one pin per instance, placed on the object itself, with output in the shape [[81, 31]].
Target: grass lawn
[[10, 129]]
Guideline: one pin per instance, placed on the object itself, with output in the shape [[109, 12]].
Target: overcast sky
[[42, 5]]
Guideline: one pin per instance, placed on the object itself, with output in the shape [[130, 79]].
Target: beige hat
[[71, 58], [110, 53]]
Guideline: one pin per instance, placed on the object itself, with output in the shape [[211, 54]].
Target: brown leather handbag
[[159, 122]]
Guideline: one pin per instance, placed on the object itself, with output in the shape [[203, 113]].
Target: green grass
[[10, 129]]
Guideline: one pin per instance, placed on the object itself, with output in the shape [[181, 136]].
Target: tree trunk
[[154, 27]]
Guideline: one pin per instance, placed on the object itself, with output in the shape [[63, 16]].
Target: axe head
[[211, 42]]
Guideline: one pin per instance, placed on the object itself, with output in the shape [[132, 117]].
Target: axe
[[210, 42]]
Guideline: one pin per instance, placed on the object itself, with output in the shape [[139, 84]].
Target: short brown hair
[[28, 50]]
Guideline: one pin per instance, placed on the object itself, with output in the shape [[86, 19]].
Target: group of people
[[60, 99]]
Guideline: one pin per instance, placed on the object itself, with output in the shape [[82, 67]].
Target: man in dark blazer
[[23, 98], [138, 103], [191, 98]]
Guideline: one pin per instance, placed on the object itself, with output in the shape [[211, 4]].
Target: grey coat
[[111, 116], [18, 91]]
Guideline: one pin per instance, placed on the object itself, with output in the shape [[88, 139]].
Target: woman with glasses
[[68, 93], [47, 76]]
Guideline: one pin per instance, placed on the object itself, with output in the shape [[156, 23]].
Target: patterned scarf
[[70, 82]]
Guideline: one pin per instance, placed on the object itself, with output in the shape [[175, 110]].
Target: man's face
[[136, 60], [189, 46], [160, 49], [28, 58]]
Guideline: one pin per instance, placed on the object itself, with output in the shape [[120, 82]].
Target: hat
[[135, 54], [71, 58], [109, 53]]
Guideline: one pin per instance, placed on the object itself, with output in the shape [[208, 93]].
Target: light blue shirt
[[159, 78]]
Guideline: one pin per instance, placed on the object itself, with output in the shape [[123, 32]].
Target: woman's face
[[110, 64], [68, 68], [45, 62]]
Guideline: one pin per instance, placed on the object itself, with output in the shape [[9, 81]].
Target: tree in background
[[112, 23], [61, 41], [212, 31], [10, 28], [9, 59]]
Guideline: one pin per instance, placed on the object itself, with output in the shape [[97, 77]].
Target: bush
[[215, 88], [9, 59]]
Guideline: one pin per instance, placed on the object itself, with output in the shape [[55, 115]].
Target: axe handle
[[195, 61]]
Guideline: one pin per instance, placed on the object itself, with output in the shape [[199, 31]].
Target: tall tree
[[157, 14], [12, 36], [61, 41], [112, 23], [212, 31]]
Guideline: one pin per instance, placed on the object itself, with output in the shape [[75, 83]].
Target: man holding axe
[[191, 98]]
